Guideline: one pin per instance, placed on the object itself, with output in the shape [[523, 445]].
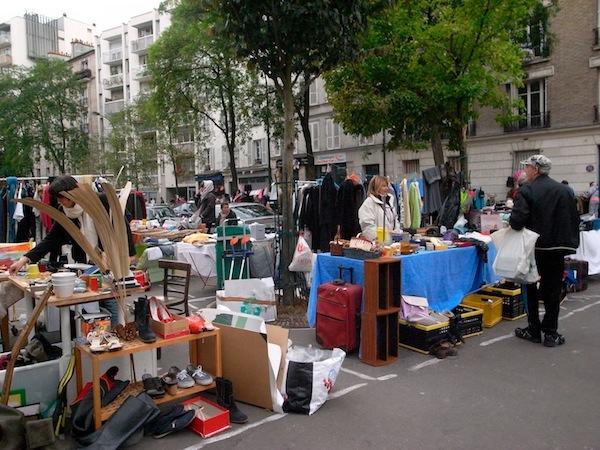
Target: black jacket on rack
[[349, 198], [327, 213]]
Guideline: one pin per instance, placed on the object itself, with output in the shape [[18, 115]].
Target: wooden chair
[[176, 284]]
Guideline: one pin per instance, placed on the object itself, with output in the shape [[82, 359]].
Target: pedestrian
[[545, 206], [58, 236], [206, 205], [594, 198], [566, 183]]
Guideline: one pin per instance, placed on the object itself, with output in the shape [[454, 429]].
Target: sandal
[[97, 342], [113, 343]]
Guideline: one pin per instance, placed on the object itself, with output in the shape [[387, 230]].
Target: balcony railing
[[141, 72], [5, 60], [532, 122], [112, 56], [141, 45], [113, 81], [114, 107]]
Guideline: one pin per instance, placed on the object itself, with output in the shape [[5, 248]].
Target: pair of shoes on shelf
[[184, 380], [170, 383], [153, 386], [529, 334], [552, 339], [443, 349], [198, 375], [101, 342], [175, 419]]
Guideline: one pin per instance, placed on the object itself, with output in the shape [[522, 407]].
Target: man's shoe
[[184, 381], [553, 339], [529, 335]]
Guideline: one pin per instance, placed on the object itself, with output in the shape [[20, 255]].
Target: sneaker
[[200, 376], [184, 381], [529, 335], [553, 339]]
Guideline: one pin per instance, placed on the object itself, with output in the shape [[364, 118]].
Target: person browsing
[[545, 206], [377, 210], [227, 216]]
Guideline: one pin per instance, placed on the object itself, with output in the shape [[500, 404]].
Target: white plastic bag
[[515, 259], [309, 375], [303, 257]]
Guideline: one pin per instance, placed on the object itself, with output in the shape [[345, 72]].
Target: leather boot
[[131, 416], [142, 320], [225, 399]]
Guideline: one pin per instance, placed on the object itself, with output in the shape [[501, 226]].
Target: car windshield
[[160, 213]]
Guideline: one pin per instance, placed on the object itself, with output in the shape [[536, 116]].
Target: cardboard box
[[211, 419], [267, 309], [254, 296], [99, 321], [491, 305], [253, 356], [179, 327]]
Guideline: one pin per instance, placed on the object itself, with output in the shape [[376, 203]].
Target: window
[[370, 171], [533, 95], [277, 149], [313, 94], [412, 168], [314, 135], [259, 151], [333, 134], [521, 156], [362, 141], [185, 135]]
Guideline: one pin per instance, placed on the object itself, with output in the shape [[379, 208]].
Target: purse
[[416, 310]]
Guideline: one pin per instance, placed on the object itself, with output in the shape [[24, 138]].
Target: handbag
[[416, 310]]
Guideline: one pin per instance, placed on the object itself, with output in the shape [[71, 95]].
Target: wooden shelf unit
[[379, 326], [196, 345]]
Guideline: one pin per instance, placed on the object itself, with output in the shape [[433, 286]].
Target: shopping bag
[[515, 259], [303, 257], [309, 376]]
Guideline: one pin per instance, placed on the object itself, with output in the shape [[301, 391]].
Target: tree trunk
[[304, 114], [464, 156], [288, 232], [436, 145]]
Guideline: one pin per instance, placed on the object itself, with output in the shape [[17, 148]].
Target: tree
[[134, 146], [42, 116], [197, 80], [289, 41], [425, 66]]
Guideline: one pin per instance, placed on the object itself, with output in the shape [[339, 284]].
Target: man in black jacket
[[545, 206]]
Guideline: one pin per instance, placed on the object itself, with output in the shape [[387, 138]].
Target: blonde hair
[[375, 184]]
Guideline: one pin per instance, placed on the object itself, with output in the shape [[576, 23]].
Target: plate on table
[[78, 266]]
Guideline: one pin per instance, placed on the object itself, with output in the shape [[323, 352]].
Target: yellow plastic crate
[[490, 304]]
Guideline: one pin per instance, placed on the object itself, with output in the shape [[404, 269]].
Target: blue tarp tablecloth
[[443, 277]]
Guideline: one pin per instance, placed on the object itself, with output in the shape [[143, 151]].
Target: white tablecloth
[[589, 250], [203, 258]]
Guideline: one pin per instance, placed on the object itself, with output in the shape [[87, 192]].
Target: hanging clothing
[[432, 196], [405, 203], [414, 196], [350, 196]]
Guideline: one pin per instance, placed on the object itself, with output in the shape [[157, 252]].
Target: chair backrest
[[176, 283]]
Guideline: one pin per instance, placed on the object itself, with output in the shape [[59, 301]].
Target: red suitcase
[[338, 314]]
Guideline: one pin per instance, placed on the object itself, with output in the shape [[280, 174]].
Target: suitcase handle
[[349, 269]]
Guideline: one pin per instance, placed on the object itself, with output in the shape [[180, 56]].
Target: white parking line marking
[[349, 389], [424, 364], [368, 377]]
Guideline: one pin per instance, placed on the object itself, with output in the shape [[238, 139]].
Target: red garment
[[46, 219]]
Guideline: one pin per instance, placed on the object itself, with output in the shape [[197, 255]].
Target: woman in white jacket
[[377, 210]]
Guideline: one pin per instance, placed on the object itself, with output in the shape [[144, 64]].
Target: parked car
[[252, 213], [160, 213], [185, 209]]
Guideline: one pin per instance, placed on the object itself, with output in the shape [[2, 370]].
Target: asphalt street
[[500, 392]]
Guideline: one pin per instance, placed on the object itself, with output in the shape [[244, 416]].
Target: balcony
[[4, 39], [114, 107], [140, 46], [532, 122], [113, 56], [258, 162], [113, 82], [5, 60], [140, 73]]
